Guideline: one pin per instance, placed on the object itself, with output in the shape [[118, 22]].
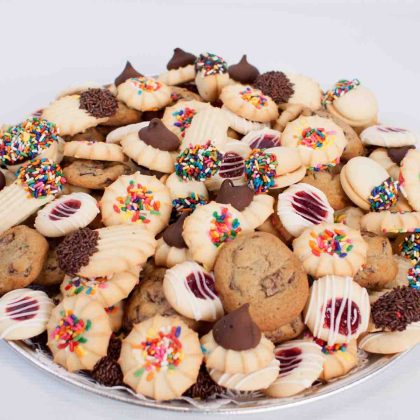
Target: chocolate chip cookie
[[286, 332], [259, 269]]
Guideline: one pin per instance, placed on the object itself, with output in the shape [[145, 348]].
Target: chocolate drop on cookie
[[2, 180], [237, 331], [128, 72], [158, 136], [180, 58], [243, 72], [172, 235], [397, 154], [239, 196], [276, 85]]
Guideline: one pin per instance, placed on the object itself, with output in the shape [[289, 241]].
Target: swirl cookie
[[153, 147], [160, 358], [24, 313], [265, 138], [94, 151], [410, 178], [330, 248], [302, 206], [389, 223], [102, 252], [243, 72], [338, 309], [78, 333], [180, 68], [74, 114], [66, 214], [37, 183], [139, 199], [385, 136]]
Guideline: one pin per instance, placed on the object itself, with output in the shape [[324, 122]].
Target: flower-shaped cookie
[[181, 68]]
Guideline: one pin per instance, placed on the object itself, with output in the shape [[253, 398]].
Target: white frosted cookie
[[386, 136], [66, 214], [338, 309], [262, 139], [302, 206], [24, 313]]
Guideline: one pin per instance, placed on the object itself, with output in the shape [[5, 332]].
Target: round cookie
[[410, 178], [23, 253], [108, 152], [385, 136], [265, 274], [388, 223], [286, 332]]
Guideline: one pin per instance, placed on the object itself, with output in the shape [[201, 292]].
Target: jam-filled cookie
[[387, 136]]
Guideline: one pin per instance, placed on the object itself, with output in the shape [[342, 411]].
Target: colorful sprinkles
[[223, 227], [340, 88], [69, 333], [41, 178], [260, 170], [413, 276], [316, 138], [89, 286], [162, 350], [324, 167], [183, 118], [254, 97], [331, 242], [324, 347], [410, 247], [27, 140], [209, 64], [198, 162], [384, 196], [188, 204], [144, 84], [138, 204]]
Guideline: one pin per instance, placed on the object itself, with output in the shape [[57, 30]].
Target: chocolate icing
[[239, 196], [180, 58], [129, 71], [397, 154], [158, 136], [99, 103], [237, 331], [75, 250], [243, 72], [172, 235], [2, 180], [276, 85]]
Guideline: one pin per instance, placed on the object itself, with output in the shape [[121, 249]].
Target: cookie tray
[[230, 403]]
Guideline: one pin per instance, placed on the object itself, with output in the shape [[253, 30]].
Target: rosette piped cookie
[[191, 292], [338, 309], [180, 68], [37, 183], [211, 75], [139, 199], [330, 248], [66, 214], [153, 147], [161, 358], [91, 150], [78, 333], [74, 114], [105, 251], [388, 223], [410, 178]]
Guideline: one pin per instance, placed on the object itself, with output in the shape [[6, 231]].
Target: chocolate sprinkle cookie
[[276, 85], [107, 372], [205, 388], [99, 103], [396, 309]]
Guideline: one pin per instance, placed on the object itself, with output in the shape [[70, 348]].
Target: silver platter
[[232, 404]]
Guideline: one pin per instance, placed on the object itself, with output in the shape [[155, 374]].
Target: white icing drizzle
[[256, 138]]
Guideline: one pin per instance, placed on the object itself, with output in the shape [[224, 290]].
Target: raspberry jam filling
[[289, 359], [65, 209], [201, 285], [309, 206], [22, 309], [232, 166], [345, 314], [265, 142]]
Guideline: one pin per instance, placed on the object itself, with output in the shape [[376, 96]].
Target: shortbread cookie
[[160, 358], [74, 114], [386, 222], [128, 72], [386, 136], [66, 214], [290, 88], [255, 208], [301, 364], [94, 151], [94, 174], [349, 216], [286, 332], [242, 125], [353, 103], [185, 92], [180, 68], [102, 252], [368, 184], [123, 116], [78, 333], [115, 314], [143, 93], [338, 309], [106, 290], [243, 72], [236, 345], [37, 183], [319, 140], [260, 270], [24, 313], [302, 206], [210, 226], [77, 88], [94, 134], [211, 75], [153, 147], [410, 178], [330, 248], [191, 291], [382, 156], [249, 103], [139, 199], [265, 138]]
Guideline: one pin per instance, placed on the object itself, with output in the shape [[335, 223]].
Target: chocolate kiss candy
[[158, 136], [239, 197], [128, 72], [243, 72], [180, 58]]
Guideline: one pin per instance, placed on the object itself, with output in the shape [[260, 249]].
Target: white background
[[48, 45]]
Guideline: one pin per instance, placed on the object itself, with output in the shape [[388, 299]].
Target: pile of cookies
[[210, 229]]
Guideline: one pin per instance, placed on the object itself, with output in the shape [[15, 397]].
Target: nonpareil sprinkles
[[384, 196], [183, 119], [223, 227], [253, 97], [340, 88], [260, 170], [413, 276], [410, 247], [209, 64], [88, 286], [331, 242], [188, 204]]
